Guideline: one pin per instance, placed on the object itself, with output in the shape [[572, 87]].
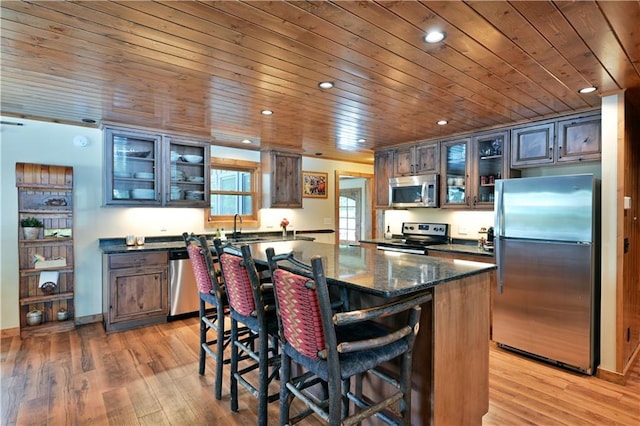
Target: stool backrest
[[202, 264], [238, 284], [299, 313]]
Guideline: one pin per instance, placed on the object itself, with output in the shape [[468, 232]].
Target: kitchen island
[[451, 353]]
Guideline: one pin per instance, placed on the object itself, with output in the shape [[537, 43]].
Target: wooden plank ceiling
[[209, 68]]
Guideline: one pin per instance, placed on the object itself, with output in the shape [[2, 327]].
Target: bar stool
[[213, 307], [333, 347], [251, 303]]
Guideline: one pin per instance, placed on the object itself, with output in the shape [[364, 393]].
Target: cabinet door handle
[[475, 200]]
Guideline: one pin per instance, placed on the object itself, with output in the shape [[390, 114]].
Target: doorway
[[354, 207]]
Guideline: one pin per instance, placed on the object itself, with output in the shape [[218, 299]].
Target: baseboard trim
[[620, 378], [10, 332], [89, 319], [611, 376]]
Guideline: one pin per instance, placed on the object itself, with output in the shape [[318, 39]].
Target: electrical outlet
[[327, 221], [462, 229]]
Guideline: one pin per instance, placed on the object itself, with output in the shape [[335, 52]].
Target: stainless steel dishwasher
[[183, 290]]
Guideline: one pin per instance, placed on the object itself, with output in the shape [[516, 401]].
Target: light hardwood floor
[[149, 376]]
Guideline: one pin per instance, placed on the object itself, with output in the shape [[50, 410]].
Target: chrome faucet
[[235, 217]]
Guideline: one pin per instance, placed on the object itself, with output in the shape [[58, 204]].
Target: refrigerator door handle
[[498, 227]]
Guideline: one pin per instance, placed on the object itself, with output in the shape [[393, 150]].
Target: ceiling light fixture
[[266, 112], [434, 36], [325, 85], [362, 140], [586, 90], [441, 122], [247, 141]]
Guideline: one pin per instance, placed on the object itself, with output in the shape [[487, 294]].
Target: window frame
[[226, 221]]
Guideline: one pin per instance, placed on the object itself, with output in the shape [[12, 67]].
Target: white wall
[[49, 143]]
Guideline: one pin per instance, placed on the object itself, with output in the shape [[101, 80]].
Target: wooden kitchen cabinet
[[571, 139], [282, 179], [46, 285], [135, 289], [383, 170], [455, 173], [417, 159], [579, 139], [470, 168], [532, 145], [153, 169]]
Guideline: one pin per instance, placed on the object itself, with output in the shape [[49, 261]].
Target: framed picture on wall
[[314, 184]]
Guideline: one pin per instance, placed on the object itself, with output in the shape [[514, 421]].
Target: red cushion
[[300, 313], [200, 270], [238, 284]]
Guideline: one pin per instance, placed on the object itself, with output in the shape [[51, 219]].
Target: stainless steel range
[[416, 236]]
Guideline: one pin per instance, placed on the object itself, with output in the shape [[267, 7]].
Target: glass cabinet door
[[454, 173], [132, 168], [188, 162], [489, 154]]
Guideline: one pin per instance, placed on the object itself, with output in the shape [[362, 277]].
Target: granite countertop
[[461, 248], [373, 271], [117, 245], [465, 247]]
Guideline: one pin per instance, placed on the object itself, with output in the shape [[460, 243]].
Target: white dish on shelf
[[193, 158], [143, 194], [121, 194], [196, 179], [175, 156], [143, 175], [194, 195], [122, 174]]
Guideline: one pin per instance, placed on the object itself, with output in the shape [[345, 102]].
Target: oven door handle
[[402, 250]]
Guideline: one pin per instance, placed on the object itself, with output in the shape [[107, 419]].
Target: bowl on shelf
[[177, 175], [143, 175], [143, 194], [121, 194], [195, 179], [460, 181], [122, 174], [175, 156], [194, 195], [193, 158], [137, 154]]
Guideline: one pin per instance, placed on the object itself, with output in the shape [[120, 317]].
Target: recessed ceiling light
[[434, 36], [586, 90], [362, 140], [266, 112], [325, 85], [318, 153], [246, 141], [88, 120], [442, 122]]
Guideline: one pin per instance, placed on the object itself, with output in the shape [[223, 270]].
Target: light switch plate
[[627, 203]]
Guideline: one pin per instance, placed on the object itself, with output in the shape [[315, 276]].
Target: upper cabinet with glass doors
[[489, 165], [455, 173], [152, 169], [470, 167]]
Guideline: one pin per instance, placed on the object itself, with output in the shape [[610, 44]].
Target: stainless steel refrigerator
[[547, 302]]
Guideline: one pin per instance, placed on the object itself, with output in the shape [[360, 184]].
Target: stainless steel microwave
[[413, 191]]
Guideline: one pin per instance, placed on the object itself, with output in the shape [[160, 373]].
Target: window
[[235, 188]]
